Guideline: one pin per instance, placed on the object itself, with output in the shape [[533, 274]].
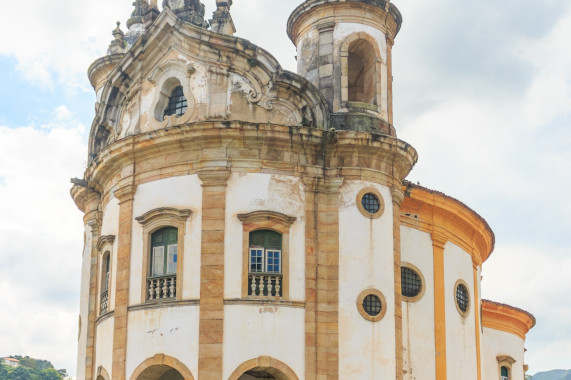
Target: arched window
[[161, 282], [505, 373], [362, 73], [177, 104], [105, 270], [265, 264]]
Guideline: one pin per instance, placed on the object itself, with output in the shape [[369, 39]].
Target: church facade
[[246, 222]]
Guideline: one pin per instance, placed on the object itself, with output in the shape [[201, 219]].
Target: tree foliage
[[31, 369]]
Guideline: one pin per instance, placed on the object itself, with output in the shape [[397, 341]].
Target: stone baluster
[[157, 289], [151, 289], [278, 286], [270, 287], [165, 287]]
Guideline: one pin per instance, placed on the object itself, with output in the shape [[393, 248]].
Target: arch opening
[[263, 367], [362, 73], [160, 372], [263, 373]]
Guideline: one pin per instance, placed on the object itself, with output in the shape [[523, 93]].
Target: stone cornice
[[447, 219], [506, 318], [162, 212], [257, 216]]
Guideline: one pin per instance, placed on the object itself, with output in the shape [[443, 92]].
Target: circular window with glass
[[370, 203], [412, 283], [372, 305], [462, 296]]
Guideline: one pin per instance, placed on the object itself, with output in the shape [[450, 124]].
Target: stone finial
[[222, 20], [117, 46], [136, 22], [191, 11]]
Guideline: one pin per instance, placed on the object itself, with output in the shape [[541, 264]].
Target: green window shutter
[[266, 239], [504, 372], [164, 247]]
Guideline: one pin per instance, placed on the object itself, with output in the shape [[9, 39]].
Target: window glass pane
[[256, 260], [158, 261], [504, 372], [273, 261], [172, 258]]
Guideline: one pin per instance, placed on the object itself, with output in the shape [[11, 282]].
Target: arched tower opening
[[362, 73], [263, 367]]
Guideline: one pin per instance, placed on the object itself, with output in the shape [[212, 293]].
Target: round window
[[462, 298], [371, 305], [411, 283], [370, 203]]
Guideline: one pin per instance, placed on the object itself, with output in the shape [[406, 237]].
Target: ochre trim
[[434, 212], [477, 323], [278, 369], [162, 360], [506, 318], [439, 307]]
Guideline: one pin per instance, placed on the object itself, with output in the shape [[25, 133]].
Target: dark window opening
[[462, 297], [161, 282], [411, 284], [371, 203], [177, 103], [372, 305]]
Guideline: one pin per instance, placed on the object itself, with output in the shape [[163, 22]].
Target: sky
[[482, 89]]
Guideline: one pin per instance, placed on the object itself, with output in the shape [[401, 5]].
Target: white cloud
[[40, 239]]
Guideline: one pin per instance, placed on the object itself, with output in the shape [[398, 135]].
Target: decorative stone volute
[[191, 11], [135, 23]]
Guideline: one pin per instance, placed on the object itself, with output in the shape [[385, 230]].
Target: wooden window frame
[[266, 220], [505, 361], [153, 221]]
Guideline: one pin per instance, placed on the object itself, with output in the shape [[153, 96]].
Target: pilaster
[[322, 278], [125, 195], [211, 328], [477, 312], [326, 47], [438, 243], [92, 219], [397, 197]]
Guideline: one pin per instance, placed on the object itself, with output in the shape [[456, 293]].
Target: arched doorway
[[161, 367], [263, 367]]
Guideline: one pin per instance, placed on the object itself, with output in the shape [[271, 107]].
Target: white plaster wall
[[247, 192], [366, 350], [110, 226], [183, 192], [171, 331], [460, 332], [254, 331], [104, 345], [418, 317], [84, 304], [497, 343]]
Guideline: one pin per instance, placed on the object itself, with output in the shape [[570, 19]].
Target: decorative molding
[[106, 239], [505, 359], [265, 303], [259, 216], [104, 317], [125, 193], [162, 213], [365, 213], [506, 318], [103, 373], [214, 177], [163, 304]]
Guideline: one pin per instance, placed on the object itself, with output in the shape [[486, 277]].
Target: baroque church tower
[[245, 222]]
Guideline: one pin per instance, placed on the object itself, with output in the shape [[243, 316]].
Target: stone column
[[211, 317], [125, 195], [397, 197], [322, 279], [475, 265], [92, 219], [438, 243]]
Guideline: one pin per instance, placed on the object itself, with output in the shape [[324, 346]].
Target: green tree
[[22, 373], [49, 374], [3, 372]]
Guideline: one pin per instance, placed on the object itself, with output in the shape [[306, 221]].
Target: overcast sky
[[482, 91]]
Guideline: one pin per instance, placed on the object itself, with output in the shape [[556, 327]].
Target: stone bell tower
[[344, 49]]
